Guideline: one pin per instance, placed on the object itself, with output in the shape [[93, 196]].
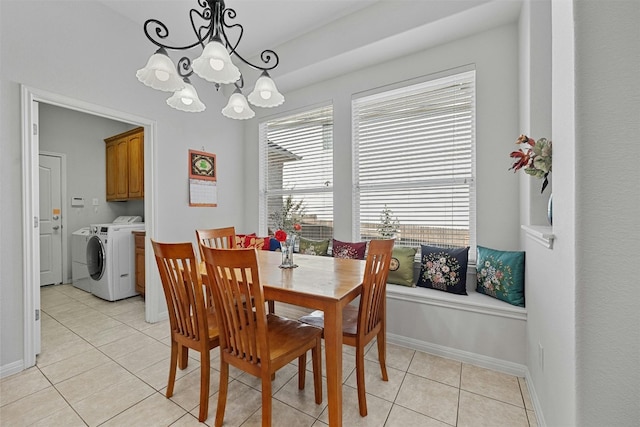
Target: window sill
[[541, 234]]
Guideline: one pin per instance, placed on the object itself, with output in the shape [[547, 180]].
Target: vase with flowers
[[287, 223], [535, 160], [287, 245]]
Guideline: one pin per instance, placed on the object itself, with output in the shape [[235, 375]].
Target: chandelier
[[214, 63]]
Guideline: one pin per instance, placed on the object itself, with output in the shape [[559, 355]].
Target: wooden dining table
[[321, 283]]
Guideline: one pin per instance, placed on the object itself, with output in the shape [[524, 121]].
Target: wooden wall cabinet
[[125, 165], [139, 261]]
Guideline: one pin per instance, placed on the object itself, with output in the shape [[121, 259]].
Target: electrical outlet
[[541, 356]]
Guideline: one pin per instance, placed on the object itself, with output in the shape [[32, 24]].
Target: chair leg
[[172, 368], [302, 362], [316, 359], [382, 354], [222, 393], [205, 372], [272, 306], [362, 397], [266, 400], [183, 358]]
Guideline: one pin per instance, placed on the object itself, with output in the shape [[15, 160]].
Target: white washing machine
[[111, 259], [79, 271]]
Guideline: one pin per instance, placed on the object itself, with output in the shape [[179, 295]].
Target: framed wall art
[[203, 185]]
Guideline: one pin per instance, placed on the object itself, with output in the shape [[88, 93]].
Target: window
[[413, 153], [296, 158]]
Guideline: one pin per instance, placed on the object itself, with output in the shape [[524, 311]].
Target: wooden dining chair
[[221, 238], [251, 339], [193, 324], [224, 238], [363, 323]]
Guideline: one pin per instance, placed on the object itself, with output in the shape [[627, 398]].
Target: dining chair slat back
[[251, 339], [374, 286], [222, 238], [360, 325], [193, 324]]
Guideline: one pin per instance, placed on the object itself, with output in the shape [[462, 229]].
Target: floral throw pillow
[[313, 247], [500, 274], [444, 269], [349, 250]]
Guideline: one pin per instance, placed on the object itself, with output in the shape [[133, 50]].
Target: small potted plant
[[535, 159], [389, 226]]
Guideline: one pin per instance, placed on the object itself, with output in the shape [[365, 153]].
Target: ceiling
[[320, 39], [267, 23]]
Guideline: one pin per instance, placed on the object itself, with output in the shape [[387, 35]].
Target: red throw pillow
[[260, 243], [240, 239], [349, 250]]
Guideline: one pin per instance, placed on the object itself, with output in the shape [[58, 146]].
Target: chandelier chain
[[218, 36], [216, 15]]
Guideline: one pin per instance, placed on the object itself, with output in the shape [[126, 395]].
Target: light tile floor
[[102, 365]]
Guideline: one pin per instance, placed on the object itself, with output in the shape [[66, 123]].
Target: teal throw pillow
[[444, 269], [401, 266], [313, 247], [500, 274]]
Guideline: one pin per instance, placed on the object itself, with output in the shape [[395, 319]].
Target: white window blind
[[414, 154], [297, 160]]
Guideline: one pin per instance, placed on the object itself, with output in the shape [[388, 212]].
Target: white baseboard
[[11, 368], [535, 401], [460, 355]]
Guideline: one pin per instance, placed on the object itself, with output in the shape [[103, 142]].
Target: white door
[[50, 220]]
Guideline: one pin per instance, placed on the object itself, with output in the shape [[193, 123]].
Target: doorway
[[31, 190]]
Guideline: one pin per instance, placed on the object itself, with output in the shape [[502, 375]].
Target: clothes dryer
[[111, 260]]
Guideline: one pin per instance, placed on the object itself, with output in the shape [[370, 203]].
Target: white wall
[[607, 202], [549, 290], [535, 100], [584, 308], [81, 50], [582, 296], [495, 55]]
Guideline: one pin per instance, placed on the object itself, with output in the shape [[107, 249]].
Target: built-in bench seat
[[473, 328], [474, 301]]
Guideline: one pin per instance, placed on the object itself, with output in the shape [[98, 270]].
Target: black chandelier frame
[[215, 14]]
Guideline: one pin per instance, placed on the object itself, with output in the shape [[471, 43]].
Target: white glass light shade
[[214, 64], [160, 73], [265, 94], [186, 99], [238, 107]]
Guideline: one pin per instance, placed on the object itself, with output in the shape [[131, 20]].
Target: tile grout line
[[116, 313], [110, 358]]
